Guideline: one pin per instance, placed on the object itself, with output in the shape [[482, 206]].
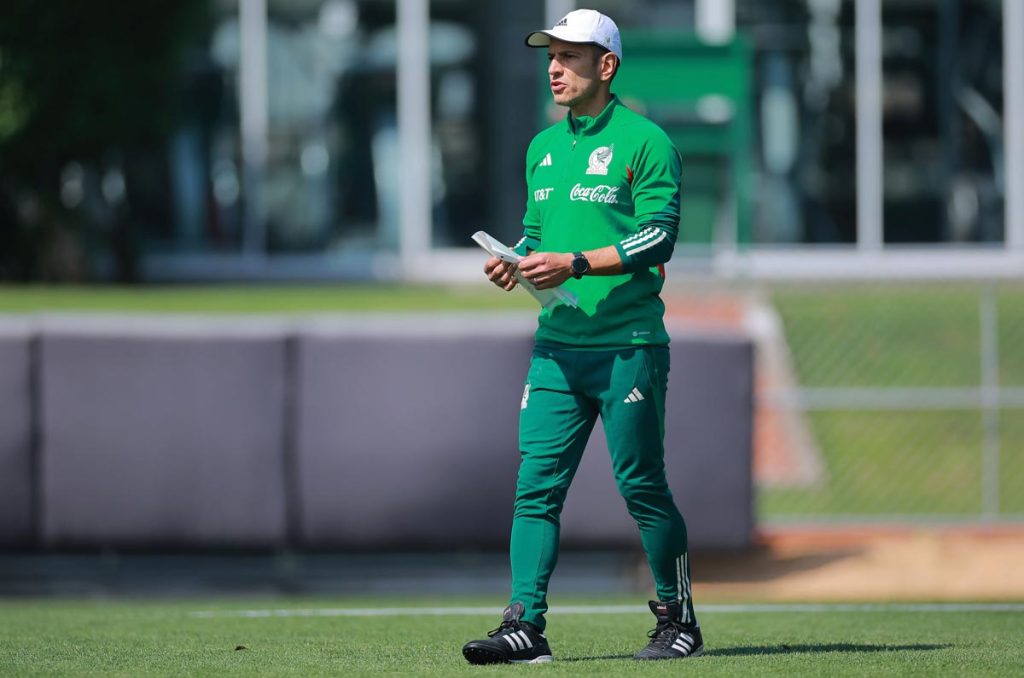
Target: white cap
[[582, 25]]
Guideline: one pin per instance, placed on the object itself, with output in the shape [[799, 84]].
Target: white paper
[[546, 298]]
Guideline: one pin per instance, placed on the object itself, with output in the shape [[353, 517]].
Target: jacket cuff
[[646, 248], [525, 245]]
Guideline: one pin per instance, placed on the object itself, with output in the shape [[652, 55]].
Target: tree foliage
[[78, 81]]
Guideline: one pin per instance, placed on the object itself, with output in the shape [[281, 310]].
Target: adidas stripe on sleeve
[[650, 246]]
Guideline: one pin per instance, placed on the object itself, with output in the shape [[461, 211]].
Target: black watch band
[[580, 265]]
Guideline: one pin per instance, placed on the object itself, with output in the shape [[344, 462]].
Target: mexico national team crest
[[600, 159]]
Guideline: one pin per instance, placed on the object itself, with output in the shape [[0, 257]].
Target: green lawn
[[879, 334], [882, 335], [259, 299], [901, 462], [159, 638], [1011, 462], [890, 463]]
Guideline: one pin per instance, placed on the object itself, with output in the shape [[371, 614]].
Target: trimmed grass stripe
[[589, 636], [609, 609]]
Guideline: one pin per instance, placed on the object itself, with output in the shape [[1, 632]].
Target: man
[[602, 217]]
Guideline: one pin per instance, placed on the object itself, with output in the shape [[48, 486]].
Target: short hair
[[600, 52]]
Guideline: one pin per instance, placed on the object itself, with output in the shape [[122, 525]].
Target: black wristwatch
[[580, 265]]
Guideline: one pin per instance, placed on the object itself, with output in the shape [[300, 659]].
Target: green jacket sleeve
[[531, 219], [656, 197]]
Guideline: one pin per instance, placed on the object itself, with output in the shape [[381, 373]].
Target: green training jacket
[[612, 179]]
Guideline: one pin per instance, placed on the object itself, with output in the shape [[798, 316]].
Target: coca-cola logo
[[602, 193]]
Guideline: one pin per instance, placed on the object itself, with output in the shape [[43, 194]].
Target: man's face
[[573, 71]]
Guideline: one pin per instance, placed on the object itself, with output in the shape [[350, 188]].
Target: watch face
[[580, 265]]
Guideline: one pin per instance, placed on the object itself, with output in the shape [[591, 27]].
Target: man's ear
[[609, 65]]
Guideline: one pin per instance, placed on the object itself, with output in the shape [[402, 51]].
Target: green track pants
[[566, 390]]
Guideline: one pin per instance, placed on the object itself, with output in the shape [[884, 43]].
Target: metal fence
[[884, 402]]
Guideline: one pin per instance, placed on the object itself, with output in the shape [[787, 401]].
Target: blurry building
[[330, 186], [289, 160]]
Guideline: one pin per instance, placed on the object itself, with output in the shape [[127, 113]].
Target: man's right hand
[[501, 273]]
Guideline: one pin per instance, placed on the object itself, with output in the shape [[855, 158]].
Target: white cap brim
[[565, 34]]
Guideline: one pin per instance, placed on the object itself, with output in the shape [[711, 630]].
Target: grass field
[[164, 638], [230, 299], [885, 335], [909, 336]]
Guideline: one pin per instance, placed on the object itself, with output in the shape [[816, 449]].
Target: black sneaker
[[514, 641], [671, 639]]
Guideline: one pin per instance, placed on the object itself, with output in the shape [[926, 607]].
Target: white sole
[[543, 659]]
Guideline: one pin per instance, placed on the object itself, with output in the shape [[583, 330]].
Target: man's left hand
[[546, 269]]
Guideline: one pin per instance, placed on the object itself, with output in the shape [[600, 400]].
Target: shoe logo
[[600, 159], [519, 640], [634, 396], [526, 397], [546, 162], [683, 643]]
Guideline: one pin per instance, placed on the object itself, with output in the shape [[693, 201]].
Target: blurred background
[[853, 218], [215, 139]]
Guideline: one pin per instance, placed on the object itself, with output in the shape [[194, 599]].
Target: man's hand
[[546, 269], [501, 273]]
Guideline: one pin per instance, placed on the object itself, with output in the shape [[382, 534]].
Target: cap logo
[[563, 22]]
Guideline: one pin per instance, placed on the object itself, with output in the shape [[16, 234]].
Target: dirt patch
[[867, 565]]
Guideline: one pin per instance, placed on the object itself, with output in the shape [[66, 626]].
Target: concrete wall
[[157, 433], [409, 440], [17, 479], [358, 432]]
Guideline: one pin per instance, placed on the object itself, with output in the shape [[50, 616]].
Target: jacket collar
[[586, 124]]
